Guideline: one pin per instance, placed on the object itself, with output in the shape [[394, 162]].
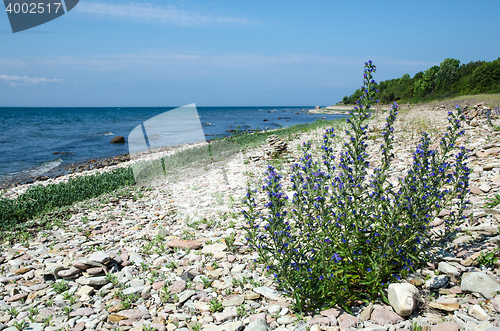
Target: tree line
[[449, 79]]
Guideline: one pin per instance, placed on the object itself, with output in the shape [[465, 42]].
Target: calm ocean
[[35, 140]]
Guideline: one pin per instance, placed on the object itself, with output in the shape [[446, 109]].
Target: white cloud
[[154, 13], [17, 80], [208, 60]]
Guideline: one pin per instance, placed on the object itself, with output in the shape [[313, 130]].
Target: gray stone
[[448, 269], [86, 263], [258, 325], [177, 286], [227, 314], [52, 270], [314, 327], [383, 316], [266, 292], [179, 316], [465, 322], [185, 244], [134, 314], [100, 257], [274, 309], [133, 290], [485, 188], [35, 327], [186, 295], [230, 326], [403, 298], [301, 327], [136, 258], [85, 290], [479, 282], [46, 312], [347, 321], [478, 313], [238, 268], [496, 303], [214, 274], [71, 272], [214, 248], [437, 282], [136, 282], [233, 300], [187, 276], [92, 281], [82, 312], [367, 312], [490, 166], [286, 319]]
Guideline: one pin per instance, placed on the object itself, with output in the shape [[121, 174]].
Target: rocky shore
[[66, 169], [172, 256]]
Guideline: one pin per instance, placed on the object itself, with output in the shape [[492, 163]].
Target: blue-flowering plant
[[348, 231]]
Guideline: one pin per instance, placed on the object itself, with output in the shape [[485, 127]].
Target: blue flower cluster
[[345, 235]]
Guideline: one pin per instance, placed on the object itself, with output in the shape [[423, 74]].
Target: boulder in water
[[118, 140]]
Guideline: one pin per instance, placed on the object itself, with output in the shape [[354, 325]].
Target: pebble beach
[[172, 255]]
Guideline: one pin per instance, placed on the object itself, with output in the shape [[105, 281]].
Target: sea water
[[35, 140]]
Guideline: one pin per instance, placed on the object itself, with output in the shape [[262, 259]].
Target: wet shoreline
[[68, 168]]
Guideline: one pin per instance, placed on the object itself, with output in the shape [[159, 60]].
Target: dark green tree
[[447, 73]]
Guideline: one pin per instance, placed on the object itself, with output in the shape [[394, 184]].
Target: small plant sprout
[[20, 325], [61, 286], [112, 279], [13, 311], [67, 310], [229, 241], [165, 293], [206, 282], [196, 326], [33, 314], [488, 259], [241, 311], [215, 305]]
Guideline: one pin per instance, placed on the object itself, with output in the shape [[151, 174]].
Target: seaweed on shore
[[40, 199]]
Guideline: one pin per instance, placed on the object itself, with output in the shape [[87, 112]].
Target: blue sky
[[234, 53]]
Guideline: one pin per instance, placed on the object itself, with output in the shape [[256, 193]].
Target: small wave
[[44, 167], [25, 174], [206, 124], [107, 133]]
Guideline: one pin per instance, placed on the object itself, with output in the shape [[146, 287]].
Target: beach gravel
[[159, 256]]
